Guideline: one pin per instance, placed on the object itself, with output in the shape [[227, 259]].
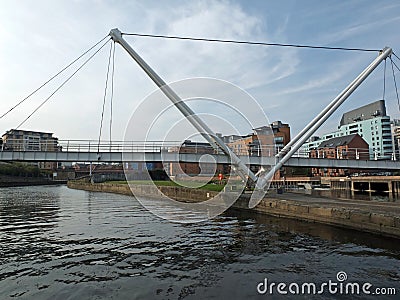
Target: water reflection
[[16, 206], [328, 233], [107, 246]]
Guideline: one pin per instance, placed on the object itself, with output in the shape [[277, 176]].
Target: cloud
[[357, 29], [247, 66], [43, 36]]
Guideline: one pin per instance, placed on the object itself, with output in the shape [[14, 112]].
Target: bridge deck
[[64, 156]]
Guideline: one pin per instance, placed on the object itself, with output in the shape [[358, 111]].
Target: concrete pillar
[[390, 186], [391, 190]]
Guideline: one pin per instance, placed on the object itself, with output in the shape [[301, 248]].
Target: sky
[[39, 38]]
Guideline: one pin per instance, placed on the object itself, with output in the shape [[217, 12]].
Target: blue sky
[[292, 85]]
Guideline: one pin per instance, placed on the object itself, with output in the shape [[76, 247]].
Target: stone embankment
[[381, 218], [14, 181]]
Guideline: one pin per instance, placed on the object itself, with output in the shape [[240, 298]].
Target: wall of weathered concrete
[[363, 220], [178, 193]]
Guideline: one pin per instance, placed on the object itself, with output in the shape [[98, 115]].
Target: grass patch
[[207, 187]]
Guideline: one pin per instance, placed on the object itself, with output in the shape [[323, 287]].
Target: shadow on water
[[325, 232]]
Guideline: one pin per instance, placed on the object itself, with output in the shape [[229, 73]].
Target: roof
[[366, 112], [338, 141], [188, 143], [26, 131]]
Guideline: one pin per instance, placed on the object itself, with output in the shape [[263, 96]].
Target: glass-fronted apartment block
[[27, 140], [396, 136], [371, 122]]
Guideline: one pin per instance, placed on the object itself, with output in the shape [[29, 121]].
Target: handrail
[[177, 146]]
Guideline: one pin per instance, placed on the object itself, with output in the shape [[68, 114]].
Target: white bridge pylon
[[286, 153], [189, 114]]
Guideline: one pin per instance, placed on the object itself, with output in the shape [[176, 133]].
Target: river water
[[58, 243]]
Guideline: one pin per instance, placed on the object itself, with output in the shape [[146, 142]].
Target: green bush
[[20, 169]]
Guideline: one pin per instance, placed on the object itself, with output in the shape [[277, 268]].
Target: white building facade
[[370, 122]]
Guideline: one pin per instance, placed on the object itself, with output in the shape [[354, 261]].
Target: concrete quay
[[382, 218], [15, 181]]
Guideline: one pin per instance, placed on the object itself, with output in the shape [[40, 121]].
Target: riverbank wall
[[378, 218], [175, 192], [15, 181], [360, 218]]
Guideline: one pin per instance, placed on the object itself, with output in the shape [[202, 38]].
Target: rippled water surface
[[58, 243]]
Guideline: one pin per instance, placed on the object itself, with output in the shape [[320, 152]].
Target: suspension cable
[[53, 77], [394, 62], [395, 85], [57, 89], [398, 69], [248, 42], [105, 96], [112, 92]]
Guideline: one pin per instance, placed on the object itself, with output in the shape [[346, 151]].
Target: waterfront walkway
[[386, 207], [381, 218]]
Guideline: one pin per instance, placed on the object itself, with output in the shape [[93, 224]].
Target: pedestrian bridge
[[155, 151]]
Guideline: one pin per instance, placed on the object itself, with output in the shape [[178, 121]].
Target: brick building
[[194, 168], [351, 146], [266, 141]]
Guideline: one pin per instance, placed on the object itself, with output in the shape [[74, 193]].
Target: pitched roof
[[337, 141]]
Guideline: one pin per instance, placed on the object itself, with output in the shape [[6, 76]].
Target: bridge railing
[[115, 146], [335, 153], [324, 153], [86, 146], [184, 147]]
